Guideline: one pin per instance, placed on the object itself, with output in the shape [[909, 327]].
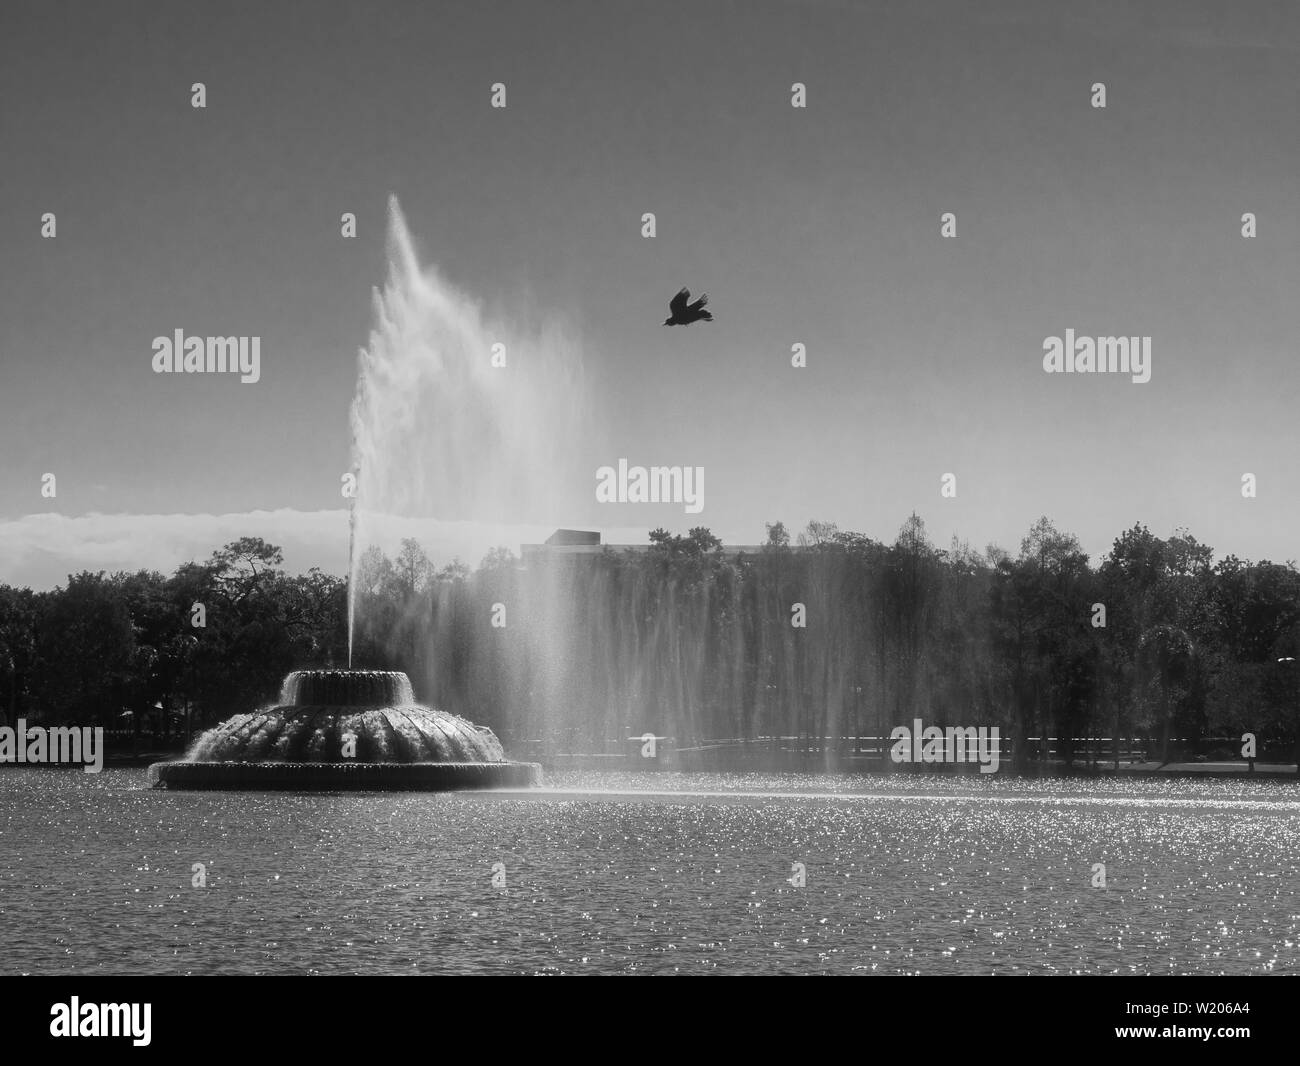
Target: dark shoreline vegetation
[[691, 641]]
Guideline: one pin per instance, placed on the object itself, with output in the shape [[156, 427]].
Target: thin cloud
[[40, 550]]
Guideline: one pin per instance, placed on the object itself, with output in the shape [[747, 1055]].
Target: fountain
[[440, 431], [353, 729]]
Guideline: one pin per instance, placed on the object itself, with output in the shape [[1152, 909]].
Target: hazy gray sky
[[817, 225]]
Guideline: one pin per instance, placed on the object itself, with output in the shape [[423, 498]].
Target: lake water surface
[[652, 873]]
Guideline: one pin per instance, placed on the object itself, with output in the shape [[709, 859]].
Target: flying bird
[[683, 314]]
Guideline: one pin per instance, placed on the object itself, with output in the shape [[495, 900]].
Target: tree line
[[830, 633], [123, 651]]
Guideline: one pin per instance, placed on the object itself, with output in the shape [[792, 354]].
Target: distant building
[[571, 542], [566, 538], [585, 542]]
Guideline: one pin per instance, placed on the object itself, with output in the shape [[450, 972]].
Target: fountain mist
[[439, 432]]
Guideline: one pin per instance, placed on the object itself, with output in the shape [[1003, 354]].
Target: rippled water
[[653, 873]]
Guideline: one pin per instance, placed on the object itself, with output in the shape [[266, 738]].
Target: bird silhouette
[[683, 314]]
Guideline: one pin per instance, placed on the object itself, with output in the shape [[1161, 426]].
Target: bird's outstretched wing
[[677, 305], [704, 299]]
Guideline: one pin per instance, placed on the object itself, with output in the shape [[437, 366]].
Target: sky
[[817, 225]]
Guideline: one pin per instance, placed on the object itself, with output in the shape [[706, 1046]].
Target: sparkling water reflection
[[653, 873]]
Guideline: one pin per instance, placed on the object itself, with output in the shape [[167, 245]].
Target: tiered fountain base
[[345, 729], [329, 777]]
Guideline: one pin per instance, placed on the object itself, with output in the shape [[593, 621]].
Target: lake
[[653, 873]]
